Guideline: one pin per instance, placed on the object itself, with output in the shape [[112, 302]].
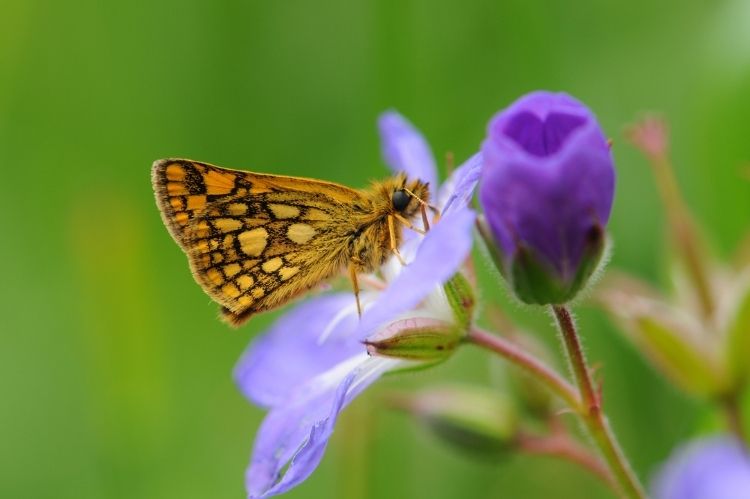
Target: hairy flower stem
[[512, 353], [684, 232], [592, 414]]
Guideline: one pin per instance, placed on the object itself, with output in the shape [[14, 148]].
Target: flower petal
[[405, 149], [715, 468], [439, 256], [290, 353], [458, 190], [294, 436]]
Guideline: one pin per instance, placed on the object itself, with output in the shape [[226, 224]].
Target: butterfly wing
[[255, 241]]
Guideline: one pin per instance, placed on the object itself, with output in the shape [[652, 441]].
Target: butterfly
[[255, 241]]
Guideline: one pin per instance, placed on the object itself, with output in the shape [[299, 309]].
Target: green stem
[[592, 414], [506, 349]]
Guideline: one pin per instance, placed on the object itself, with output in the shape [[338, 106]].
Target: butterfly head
[[407, 196]]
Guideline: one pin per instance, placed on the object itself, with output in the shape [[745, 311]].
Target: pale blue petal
[[290, 353], [405, 149], [458, 190], [712, 468], [441, 253], [293, 437]]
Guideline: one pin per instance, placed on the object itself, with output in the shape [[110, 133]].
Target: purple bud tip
[[547, 182], [540, 137]]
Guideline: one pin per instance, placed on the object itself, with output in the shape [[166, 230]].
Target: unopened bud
[[461, 299], [473, 419], [418, 339], [547, 189]]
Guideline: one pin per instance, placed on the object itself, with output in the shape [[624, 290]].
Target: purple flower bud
[[547, 188]]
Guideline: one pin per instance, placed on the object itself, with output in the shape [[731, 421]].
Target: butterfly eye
[[400, 200]]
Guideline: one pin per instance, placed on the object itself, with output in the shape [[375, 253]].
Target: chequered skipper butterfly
[[255, 241]]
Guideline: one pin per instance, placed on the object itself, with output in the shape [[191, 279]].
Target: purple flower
[[313, 361], [712, 468], [547, 188]]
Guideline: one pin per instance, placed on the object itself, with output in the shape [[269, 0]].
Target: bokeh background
[[115, 375]]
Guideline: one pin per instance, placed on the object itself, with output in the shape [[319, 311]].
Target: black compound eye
[[400, 200]]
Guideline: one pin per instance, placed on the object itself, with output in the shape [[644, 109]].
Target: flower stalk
[[684, 231], [592, 414], [586, 402], [651, 137], [509, 351]]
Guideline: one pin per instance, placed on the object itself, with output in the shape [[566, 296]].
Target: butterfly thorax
[[372, 240]]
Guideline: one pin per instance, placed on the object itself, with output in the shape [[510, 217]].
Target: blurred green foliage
[[114, 372]]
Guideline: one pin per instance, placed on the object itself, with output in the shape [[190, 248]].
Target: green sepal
[[670, 349], [432, 342], [461, 299], [674, 342], [536, 282]]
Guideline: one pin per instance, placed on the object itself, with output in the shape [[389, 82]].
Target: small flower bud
[[418, 339], [547, 189], [461, 299], [473, 419]]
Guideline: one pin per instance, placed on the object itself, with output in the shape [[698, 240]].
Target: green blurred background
[[114, 371]]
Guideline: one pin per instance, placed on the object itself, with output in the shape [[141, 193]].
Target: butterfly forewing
[[184, 189], [254, 241]]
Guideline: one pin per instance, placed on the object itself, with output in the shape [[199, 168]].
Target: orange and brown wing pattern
[[184, 188], [255, 241]]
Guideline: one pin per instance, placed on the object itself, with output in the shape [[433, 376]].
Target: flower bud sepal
[[534, 281], [476, 420], [426, 341], [461, 299]]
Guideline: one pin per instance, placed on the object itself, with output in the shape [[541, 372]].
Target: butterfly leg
[[355, 286], [423, 205], [394, 246], [406, 222], [425, 220]]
